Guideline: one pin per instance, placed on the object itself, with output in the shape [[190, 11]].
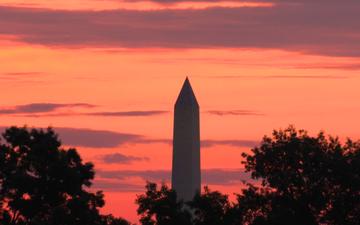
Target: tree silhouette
[[44, 184], [304, 180], [111, 220], [212, 208], [312, 180], [161, 207], [252, 206], [298, 180]]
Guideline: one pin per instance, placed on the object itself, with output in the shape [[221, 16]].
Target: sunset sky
[[106, 73]]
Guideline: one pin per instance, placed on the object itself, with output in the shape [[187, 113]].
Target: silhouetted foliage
[[304, 180], [44, 184], [212, 208], [299, 180], [111, 220], [161, 207], [309, 180], [251, 206]]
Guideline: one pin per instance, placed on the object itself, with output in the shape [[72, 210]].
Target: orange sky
[[246, 85]]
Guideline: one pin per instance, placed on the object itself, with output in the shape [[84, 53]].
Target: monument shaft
[[186, 175]]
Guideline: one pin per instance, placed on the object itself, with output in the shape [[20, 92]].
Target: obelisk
[[186, 177]]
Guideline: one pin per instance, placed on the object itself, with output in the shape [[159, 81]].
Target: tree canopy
[[313, 180], [298, 179], [42, 183], [161, 207]]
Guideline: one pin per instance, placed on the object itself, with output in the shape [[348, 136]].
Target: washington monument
[[186, 177]]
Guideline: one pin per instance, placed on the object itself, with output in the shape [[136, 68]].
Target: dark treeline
[[43, 184], [297, 179]]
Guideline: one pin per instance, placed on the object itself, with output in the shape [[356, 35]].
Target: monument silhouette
[[186, 175]]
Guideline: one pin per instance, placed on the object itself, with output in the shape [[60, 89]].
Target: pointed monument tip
[[187, 80], [186, 96], [186, 85]]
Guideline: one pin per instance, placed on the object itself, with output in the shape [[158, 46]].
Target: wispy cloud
[[234, 113], [147, 175], [307, 77], [299, 27], [117, 186], [224, 176], [119, 158], [236, 143], [103, 114], [332, 66], [206, 143], [50, 110], [82, 137], [21, 77], [279, 77], [47, 107], [21, 74], [40, 108], [95, 138], [217, 176], [127, 113], [155, 141], [118, 180]]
